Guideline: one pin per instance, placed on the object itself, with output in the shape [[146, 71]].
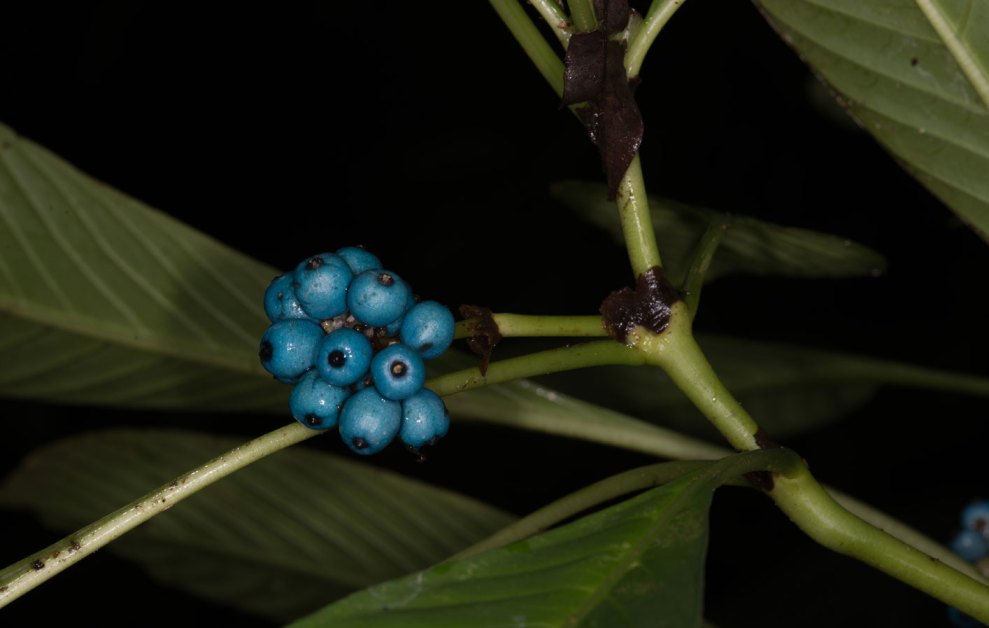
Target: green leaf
[[915, 74], [750, 246], [104, 300], [279, 538], [638, 563], [788, 389]]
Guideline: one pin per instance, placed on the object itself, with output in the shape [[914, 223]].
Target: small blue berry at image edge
[[321, 283], [369, 422], [428, 328], [344, 357], [358, 259], [280, 302], [288, 348], [316, 403], [398, 372], [970, 545], [961, 620], [975, 516], [424, 419], [377, 297]]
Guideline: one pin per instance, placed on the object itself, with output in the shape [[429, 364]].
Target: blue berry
[[424, 419], [975, 516], [970, 546], [428, 328], [316, 403], [377, 297], [398, 372], [344, 357], [280, 302], [288, 348], [321, 285], [369, 422], [358, 259]]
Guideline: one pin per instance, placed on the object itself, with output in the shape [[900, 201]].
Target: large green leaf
[[280, 538], [750, 246], [104, 300], [915, 74], [639, 563]]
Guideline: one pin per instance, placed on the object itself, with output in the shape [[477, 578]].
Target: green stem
[[555, 17], [636, 221], [21, 577], [541, 363], [582, 15], [660, 12], [524, 325], [801, 497], [535, 46], [703, 254]]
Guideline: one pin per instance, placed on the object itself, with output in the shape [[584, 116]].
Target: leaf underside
[[639, 563], [914, 74], [280, 538], [104, 300], [749, 247]]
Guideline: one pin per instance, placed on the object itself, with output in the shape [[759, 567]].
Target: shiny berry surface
[[369, 422], [378, 297], [344, 357], [280, 302], [424, 419], [428, 328], [288, 348], [398, 372], [316, 403], [321, 283], [359, 260]]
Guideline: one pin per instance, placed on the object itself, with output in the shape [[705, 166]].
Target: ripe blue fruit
[[377, 297], [321, 285], [288, 348], [359, 259], [280, 302], [424, 419], [428, 328], [975, 516], [398, 372], [316, 403], [369, 422], [970, 546], [343, 357]]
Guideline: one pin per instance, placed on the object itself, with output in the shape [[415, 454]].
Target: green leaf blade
[[916, 76], [279, 538], [106, 301], [637, 563]]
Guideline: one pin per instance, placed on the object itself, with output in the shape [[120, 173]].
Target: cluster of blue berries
[[352, 338], [971, 543]]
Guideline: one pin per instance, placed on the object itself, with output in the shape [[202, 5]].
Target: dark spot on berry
[[359, 443], [266, 351], [399, 369], [914, 61], [426, 346], [38, 565], [314, 263], [312, 419], [336, 359], [281, 295], [386, 280]]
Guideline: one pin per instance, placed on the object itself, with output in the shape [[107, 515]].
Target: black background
[[421, 131]]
